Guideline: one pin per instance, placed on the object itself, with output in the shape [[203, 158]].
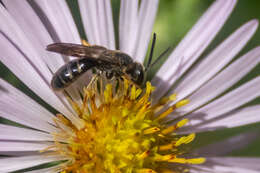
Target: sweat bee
[[113, 63]]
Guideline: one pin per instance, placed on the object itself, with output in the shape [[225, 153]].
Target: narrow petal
[[22, 146], [161, 90], [109, 25], [218, 59], [195, 42], [32, 70], [98, 23], [89, 19], [34, 29], [228, 165], [224, 80], [18, 107], [215, 168], [244, 162], [57, 18], [146, 18], [17, 133], [31, 75], [16, 163], [14, 33], [227, 103], [128, 25], [237, 118]]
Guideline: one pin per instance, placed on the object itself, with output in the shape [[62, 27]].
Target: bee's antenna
[[158, 59], [151, 53]]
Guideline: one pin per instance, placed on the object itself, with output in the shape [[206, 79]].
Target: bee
[[112, 63]]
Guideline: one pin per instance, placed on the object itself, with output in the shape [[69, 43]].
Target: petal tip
[[255, 22]]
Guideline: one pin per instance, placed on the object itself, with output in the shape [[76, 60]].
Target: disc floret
[[122, 132]]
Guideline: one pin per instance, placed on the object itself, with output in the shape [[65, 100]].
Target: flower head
[[102, 125], [120, 133]]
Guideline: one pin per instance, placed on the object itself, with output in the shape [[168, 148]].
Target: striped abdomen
[[71, 71]]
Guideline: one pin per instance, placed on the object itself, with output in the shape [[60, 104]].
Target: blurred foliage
[[174, 19]]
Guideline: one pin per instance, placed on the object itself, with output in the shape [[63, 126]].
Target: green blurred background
[[174, 19]]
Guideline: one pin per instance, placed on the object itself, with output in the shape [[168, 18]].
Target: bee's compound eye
[[139, 76], [136, 72]]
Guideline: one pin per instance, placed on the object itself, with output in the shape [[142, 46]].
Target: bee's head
[[135, 72]]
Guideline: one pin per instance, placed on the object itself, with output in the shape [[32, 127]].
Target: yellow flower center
[[122, 133]]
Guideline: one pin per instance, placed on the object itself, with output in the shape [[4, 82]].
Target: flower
[[84, 135]]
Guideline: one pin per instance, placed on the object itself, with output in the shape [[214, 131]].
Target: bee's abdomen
[[70, 72]]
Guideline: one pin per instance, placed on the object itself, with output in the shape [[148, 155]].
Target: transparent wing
[[76, 50]]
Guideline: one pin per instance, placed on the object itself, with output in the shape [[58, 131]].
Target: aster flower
[[114, 127]]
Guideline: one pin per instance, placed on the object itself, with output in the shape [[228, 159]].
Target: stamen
[[151, 130], [165, 100], [164, 157], [146, 171], [166, 113], [119, 132], [188, 161], [185, 139], [166, 147], [133, 93], [174, 127], [144, 155], [108, 93], [182, 103]]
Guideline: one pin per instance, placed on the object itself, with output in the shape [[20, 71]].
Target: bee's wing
[[76, 50]]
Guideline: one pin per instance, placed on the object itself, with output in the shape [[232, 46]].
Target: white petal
[[17, 133], [17, 49], [105, 23], [89, 19], [195, 42], [21, 65], [128, 25], [146, 20], [243, 162], [13, 32], [228, 165], [17, 163], [32, 70], [57, 18], [214, 62], [23, 146], [18, 107], [228, 102], [240, 117], [224, 80], [214, 168], [110, 25], [98, 23], [34, 29], [161, 89]]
